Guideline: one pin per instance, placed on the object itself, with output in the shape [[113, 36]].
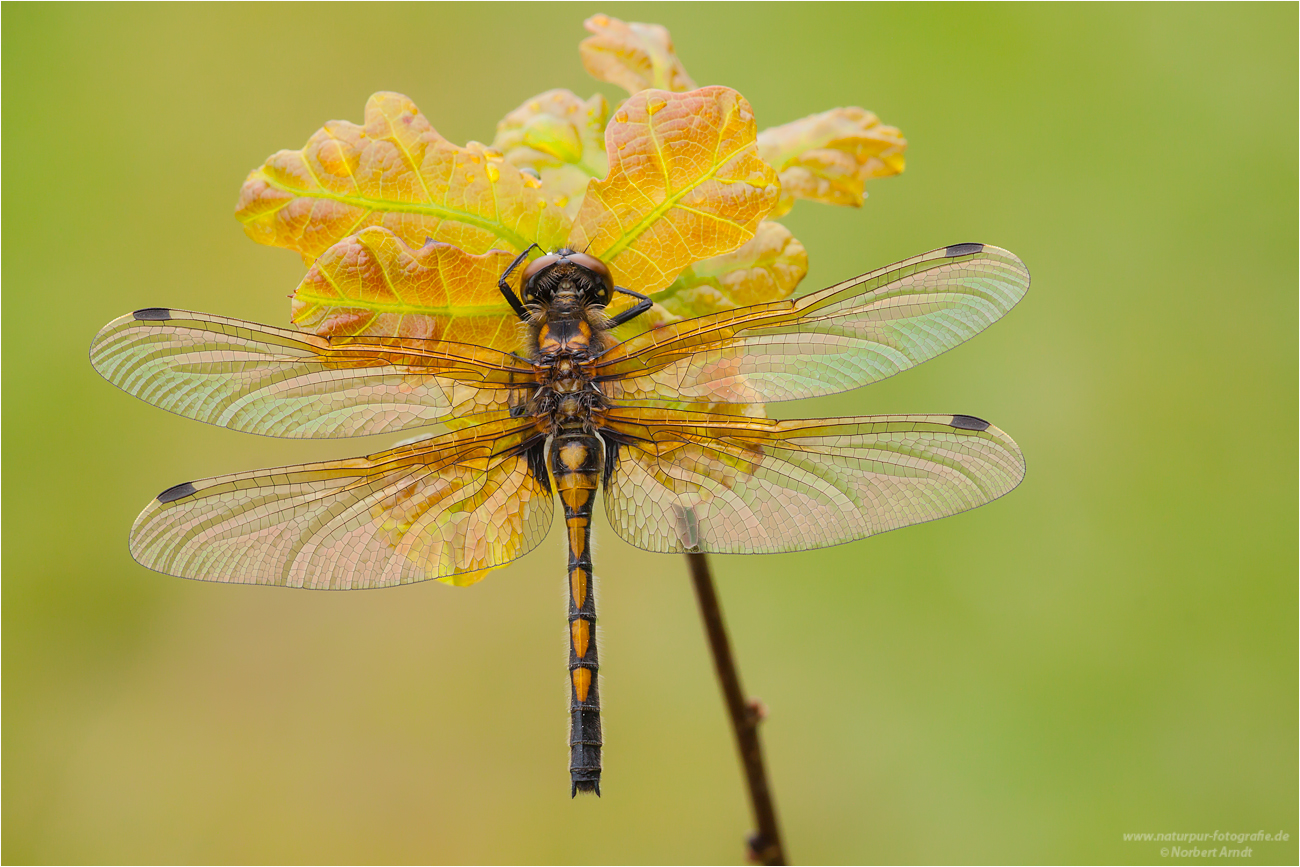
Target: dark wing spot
[[153, 314], [175, 492], [969, 422], [963, 249]]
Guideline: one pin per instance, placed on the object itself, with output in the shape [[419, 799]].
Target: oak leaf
[[766, 268], [395, 171], [560, 137], [685, 183], [828, 157], [374, 284], [633, 56]]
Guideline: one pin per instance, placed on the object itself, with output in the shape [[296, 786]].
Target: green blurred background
[[1110, 649]]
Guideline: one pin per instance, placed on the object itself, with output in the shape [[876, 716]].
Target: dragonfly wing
[[442, 507], [284, 383], [860, 331], [684, 481]]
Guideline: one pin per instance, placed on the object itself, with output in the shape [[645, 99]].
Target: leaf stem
[[765, 844]]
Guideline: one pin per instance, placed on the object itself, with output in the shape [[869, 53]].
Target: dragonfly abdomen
[[575, 466]]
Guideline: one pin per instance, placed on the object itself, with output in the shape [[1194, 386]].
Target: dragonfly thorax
[[571, 410], [567, 402], [565, 332], [567, 396]]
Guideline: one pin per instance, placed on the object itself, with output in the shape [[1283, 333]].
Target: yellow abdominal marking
[[573, 455], [580, 632], [577, 536], [581, 682], [575, 498], [578, 586]]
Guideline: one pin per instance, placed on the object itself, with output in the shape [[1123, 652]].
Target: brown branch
[[765, 844]]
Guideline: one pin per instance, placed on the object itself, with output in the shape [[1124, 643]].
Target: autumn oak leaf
[[374, 284], [766, 268], [829, 157], [560, 137], [685, 183], [633, 56], [395, 171]]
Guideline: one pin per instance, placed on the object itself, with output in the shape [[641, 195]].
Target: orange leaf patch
[[560, 137], [767, 268], [633, 56], [685, 183], [394, 171], [374, 284], [828, 157]]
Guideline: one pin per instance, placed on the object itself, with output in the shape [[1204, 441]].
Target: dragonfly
[[662, 423]]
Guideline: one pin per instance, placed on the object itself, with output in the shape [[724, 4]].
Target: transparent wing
[[686, 481], [284, 383], [457, 504], [859, 331]]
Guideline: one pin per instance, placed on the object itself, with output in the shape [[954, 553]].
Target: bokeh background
[[1110, 649]]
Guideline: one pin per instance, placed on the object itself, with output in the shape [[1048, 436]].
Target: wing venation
[[277, 382], [860, 331], [688, 481], [445, 508]]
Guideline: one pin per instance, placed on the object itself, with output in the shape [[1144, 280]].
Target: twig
[[765, 844]]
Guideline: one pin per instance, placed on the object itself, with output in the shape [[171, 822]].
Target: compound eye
[[535, 267], [595, 266]]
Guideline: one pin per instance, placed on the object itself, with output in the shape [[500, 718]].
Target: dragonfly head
[[583, 273]]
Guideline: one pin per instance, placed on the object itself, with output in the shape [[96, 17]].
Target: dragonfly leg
[[504, 284], [631, 312]]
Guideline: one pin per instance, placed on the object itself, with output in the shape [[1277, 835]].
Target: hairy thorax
[[565, 336]]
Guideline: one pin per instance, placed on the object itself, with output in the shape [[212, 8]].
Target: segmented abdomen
[[575, 467]]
